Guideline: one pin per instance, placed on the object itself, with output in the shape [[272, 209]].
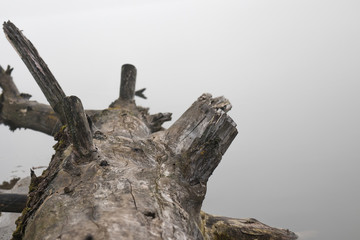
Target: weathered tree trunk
[[116, 173]]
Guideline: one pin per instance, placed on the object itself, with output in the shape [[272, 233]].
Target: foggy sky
[[290, 69]]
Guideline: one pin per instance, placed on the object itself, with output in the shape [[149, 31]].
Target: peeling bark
[[140, 181]]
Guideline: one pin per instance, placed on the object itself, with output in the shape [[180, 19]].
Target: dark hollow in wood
[[12, 202], [78, 125], [128, 81], [37, 67]]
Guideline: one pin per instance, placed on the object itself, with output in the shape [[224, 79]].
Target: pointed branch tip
[[37, 67]]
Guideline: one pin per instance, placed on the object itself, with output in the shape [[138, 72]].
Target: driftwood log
[[116, 173], [10, 202]]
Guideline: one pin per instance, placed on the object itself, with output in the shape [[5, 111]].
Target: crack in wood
[[131, 192]]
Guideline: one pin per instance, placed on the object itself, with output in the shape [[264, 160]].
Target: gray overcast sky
[[290, 69]]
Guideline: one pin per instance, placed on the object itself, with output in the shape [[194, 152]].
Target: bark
[[117, 174], [17, 111]]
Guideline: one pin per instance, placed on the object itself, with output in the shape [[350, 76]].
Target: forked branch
[[69, 109]]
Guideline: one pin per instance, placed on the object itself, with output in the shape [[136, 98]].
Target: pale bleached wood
[[201, 136], [17, 111]]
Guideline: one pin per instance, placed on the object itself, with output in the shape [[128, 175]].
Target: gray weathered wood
[[128, 81], [201, 136], [77, 122], [139, 184], [17, 111], [10, 202], [7, 84], [37, 67]]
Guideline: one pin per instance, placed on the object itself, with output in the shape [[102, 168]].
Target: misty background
[[290, 69]]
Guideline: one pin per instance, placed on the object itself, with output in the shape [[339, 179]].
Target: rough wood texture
[[17, 111], [140, 183], [201, 136], [7, 84], [128, 81], [217, 227], [12, 202], [37, 67], [77, 122]]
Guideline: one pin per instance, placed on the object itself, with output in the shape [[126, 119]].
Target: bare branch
[[201, 136], [36, 65], [128, 81], [22, 113], [77, 122]]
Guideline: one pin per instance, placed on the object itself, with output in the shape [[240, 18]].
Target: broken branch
[[78, 124], [37, 67], [17, 111], [202, 135], [128, 81]]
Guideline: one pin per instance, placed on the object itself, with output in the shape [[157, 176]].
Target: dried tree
[[116, 173]]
